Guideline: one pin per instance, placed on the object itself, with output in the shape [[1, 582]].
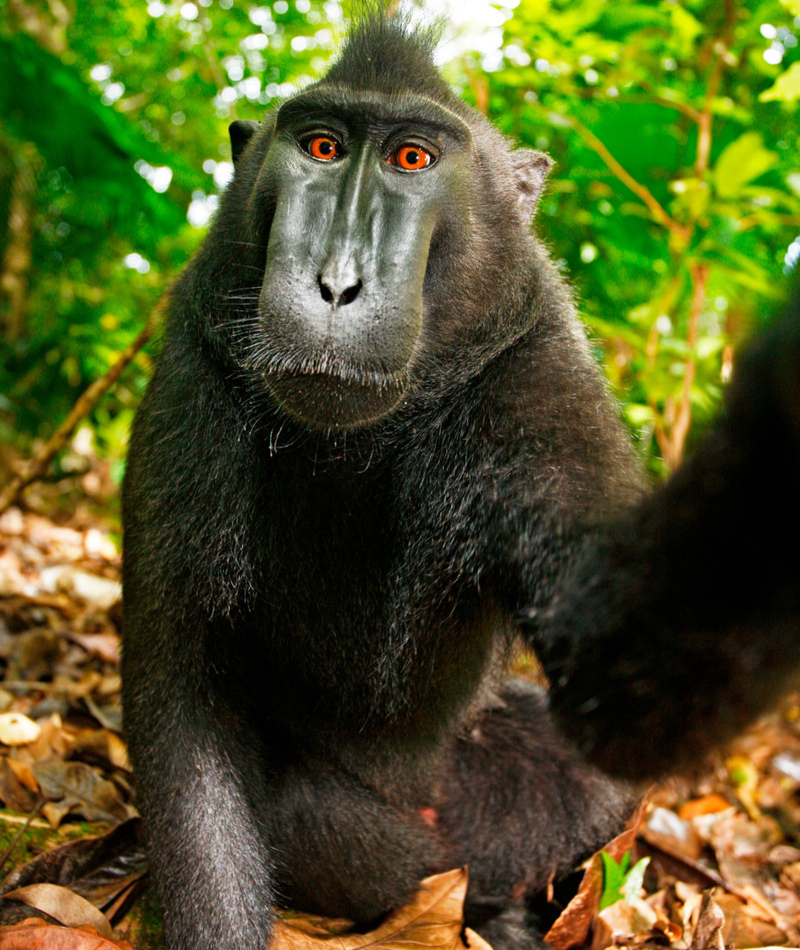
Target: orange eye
[[323, 148], [412, 158]]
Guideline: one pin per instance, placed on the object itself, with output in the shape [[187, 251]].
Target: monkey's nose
[[339, 284]]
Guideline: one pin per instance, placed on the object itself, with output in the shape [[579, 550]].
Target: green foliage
[[620, 883], [673, 203]]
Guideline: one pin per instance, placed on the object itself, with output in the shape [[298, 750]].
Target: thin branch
[[479, 87], [641, 191], [664, 306], [16, 264], [766, 217], [706, 117], [679, 431], [41, 461], [37, 807], [650, 97]]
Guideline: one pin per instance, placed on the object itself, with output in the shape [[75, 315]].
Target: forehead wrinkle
[[376, 108]]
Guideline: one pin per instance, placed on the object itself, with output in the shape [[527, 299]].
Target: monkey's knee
[[521, 805], [343, 851]]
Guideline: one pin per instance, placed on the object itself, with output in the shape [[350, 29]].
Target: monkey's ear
[[530, 171], [241, 131]]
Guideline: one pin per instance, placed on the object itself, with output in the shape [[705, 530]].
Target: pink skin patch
[[429, 816]]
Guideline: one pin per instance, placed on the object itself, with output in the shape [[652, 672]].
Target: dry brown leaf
[[433, 919], [55, 812], [618, 920], [707, 933], [106, 870], [35, 934], [573, 925], [104, 645], [52, 740], [63, 905], [78, 787], [14, 794], [103, 747], [24, 774], [742, 928], [34, 654]]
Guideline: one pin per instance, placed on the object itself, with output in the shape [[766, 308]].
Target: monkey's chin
[[327, 402]]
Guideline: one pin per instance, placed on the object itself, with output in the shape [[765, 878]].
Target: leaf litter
[[708, 862]]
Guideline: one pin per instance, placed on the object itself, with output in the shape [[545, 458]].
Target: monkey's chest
[[344, 652]]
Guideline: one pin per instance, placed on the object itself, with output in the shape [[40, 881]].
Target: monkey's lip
[[333, 401]]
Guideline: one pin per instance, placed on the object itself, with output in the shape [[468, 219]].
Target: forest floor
[[711, 861]]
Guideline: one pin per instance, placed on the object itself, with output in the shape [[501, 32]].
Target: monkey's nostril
[[325, 290], [349, 295], [334, 296]]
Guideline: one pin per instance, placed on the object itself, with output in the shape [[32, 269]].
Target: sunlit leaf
[[786, 87], [741, 162]]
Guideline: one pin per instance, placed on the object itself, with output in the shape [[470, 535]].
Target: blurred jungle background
[[674, 204]]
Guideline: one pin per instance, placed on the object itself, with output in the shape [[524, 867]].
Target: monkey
[[375, 456]]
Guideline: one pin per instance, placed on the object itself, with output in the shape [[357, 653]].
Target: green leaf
[[793, 6], [613, 879], [634, 880], [741, 162], [786, 87], [686, 27], [638, 414], [618, 882]]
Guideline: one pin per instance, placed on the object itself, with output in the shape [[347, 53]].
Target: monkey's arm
[[682, 621], [198, 777], [197, 759]]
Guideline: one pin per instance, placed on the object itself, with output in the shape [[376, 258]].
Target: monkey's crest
[[384, 51]]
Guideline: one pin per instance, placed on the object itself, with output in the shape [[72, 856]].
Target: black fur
[[318, 618]]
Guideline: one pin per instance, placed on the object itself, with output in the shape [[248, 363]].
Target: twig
[[641, 191], [766, 217], [16, 263], [479, 87], [677, 437], [13, 843], [39, 464]]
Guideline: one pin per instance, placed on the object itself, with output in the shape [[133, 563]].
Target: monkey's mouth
[[329, 400]]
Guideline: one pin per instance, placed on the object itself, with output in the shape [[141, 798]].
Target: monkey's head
[[385, 209]]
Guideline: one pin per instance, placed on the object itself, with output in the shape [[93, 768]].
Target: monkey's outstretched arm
[[682, 621]]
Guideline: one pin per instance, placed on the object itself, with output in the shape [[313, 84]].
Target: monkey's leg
[[342, 849], [521, 806]]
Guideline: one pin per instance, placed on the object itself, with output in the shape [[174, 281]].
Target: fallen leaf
[[81, 788], [14, 793], [99, 869], [435, 918], [35, 934], [573, 925], [104, 645], [24, 774], [52, 741], [102, 747], [100, 592], [707, 933], [62, 905]]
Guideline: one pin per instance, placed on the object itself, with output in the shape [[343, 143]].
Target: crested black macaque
[[376, 452]]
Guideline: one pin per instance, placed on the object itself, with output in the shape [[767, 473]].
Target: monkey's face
[[363, 190]]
